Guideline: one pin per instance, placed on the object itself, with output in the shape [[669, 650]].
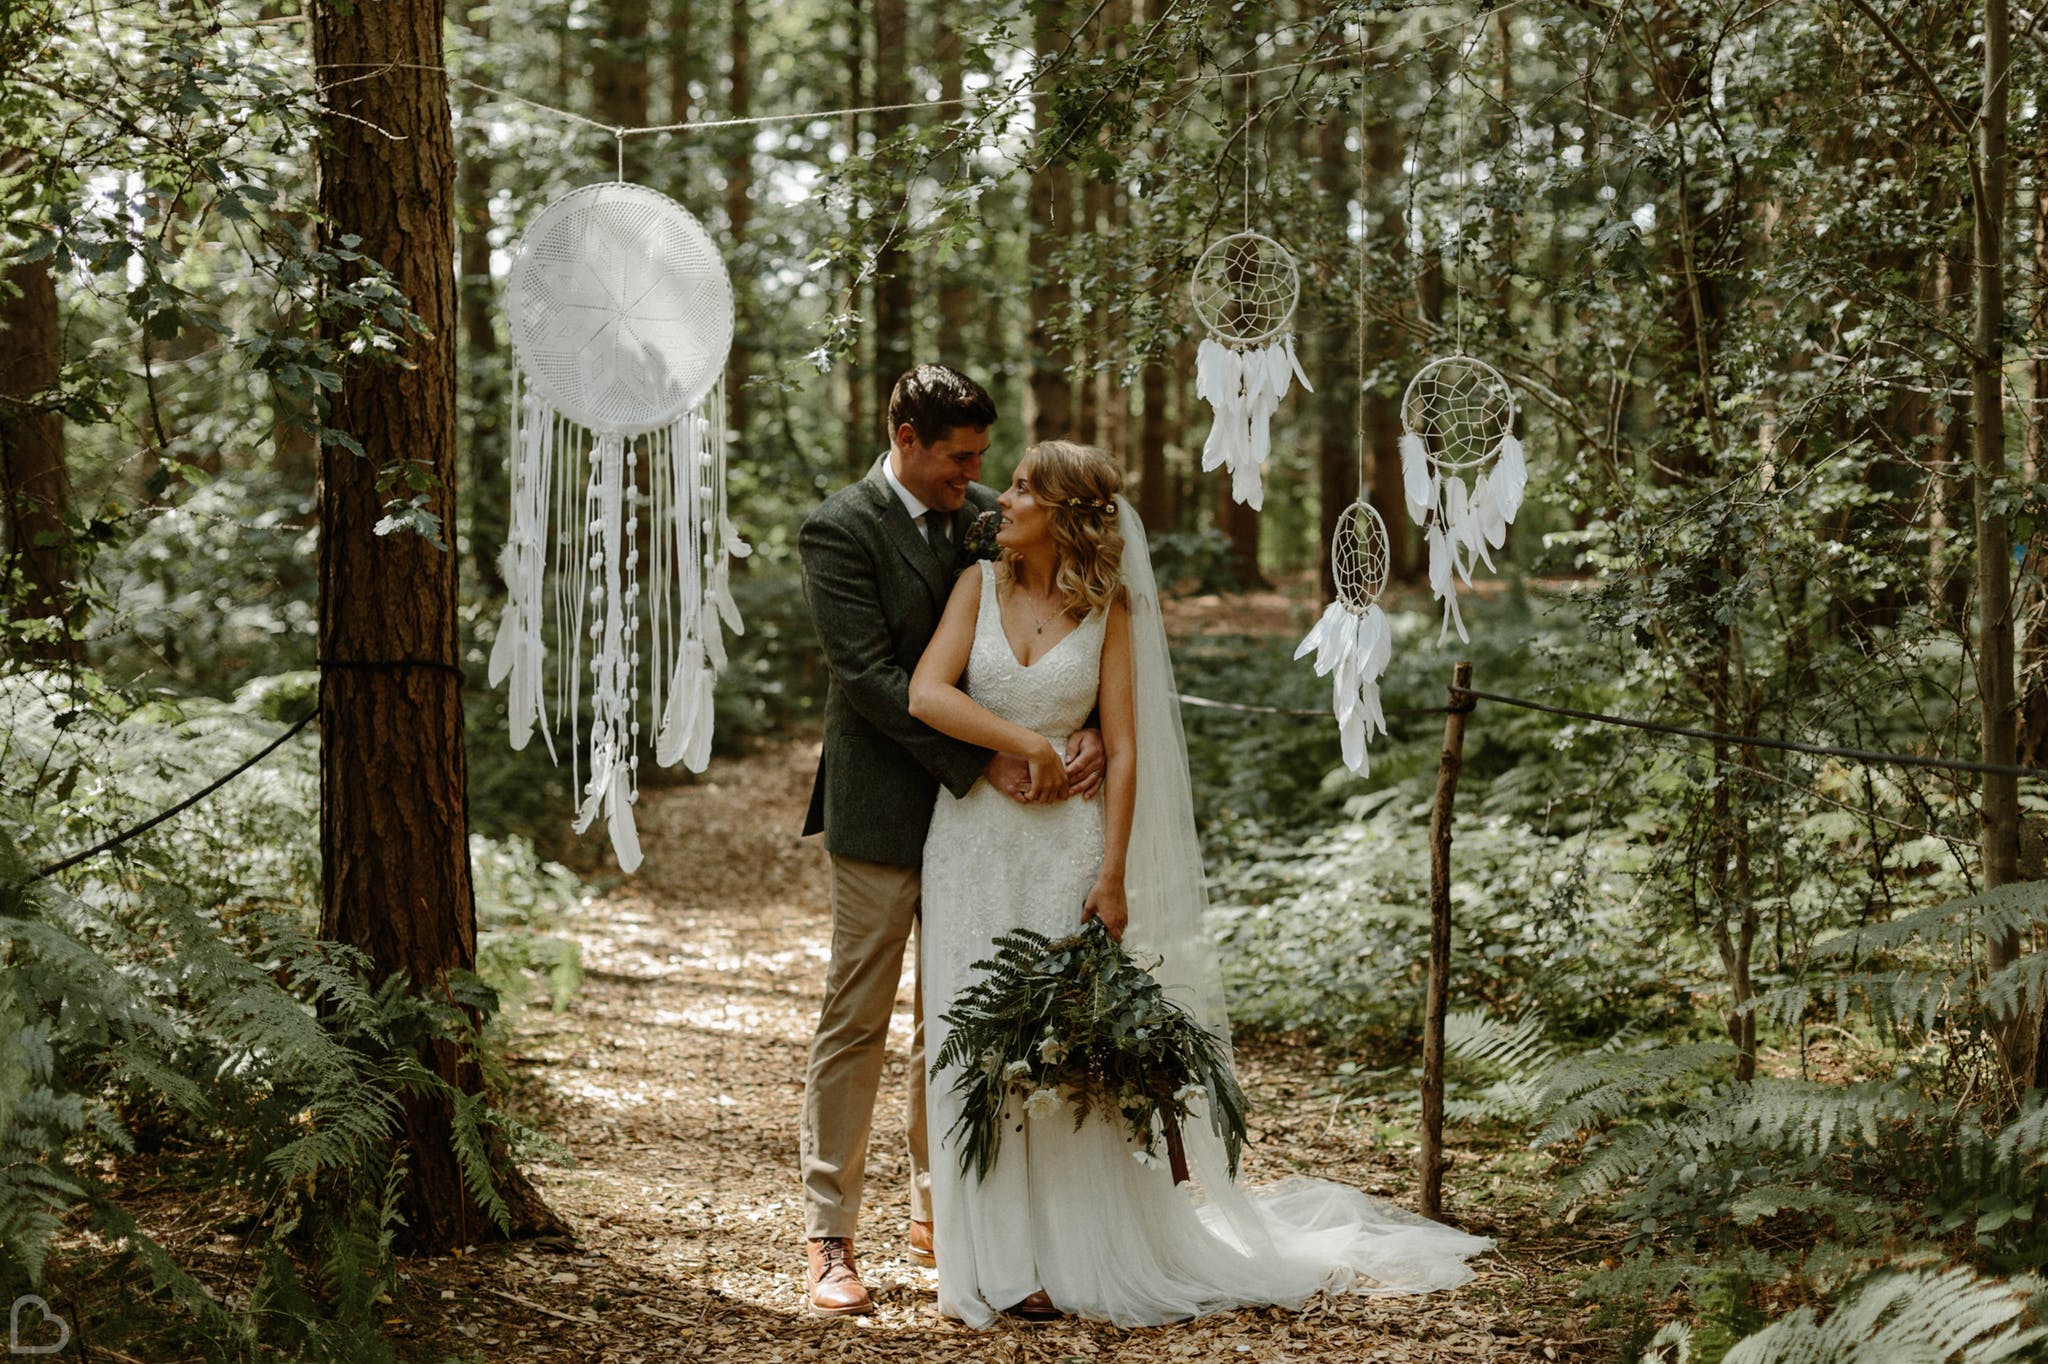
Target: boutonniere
[[980, 540]]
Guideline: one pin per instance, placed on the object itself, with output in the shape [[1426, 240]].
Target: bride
[[1064, 624]]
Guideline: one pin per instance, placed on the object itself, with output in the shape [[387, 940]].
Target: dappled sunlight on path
[[674, 1079]]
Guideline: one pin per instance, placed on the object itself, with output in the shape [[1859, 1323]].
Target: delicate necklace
[[1038, 627]]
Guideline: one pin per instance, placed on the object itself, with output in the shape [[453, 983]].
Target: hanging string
[[1014, 94], [1364, 188], [1458, 254], [1248, 152]]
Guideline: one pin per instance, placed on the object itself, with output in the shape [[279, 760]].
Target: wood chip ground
[[674, 1079]]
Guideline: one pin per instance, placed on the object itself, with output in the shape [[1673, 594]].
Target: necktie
[[935, 532]]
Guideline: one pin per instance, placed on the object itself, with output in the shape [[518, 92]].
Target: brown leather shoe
[[921, 1244], [1037, 1307], [834, 1279]]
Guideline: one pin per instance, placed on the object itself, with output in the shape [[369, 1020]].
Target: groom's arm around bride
[[879, 561]]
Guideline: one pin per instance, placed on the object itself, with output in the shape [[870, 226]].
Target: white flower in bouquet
[[1051, 1050], [1017, 1070], [1043, 1103]]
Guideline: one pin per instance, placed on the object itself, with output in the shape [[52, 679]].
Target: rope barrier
[[1862, 755], [118, 839], [996, 96]]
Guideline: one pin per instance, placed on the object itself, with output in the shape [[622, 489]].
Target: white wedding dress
[[1072, 1212]]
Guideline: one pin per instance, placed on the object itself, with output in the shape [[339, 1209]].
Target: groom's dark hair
[[934, 399]]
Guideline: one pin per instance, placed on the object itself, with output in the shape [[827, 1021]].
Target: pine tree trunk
[[2033, 722], [956, 297], [34, 481], [894, 323], [739, 215], [682, 68], [863, 438], [393, 775], [1050, 218], [483, 426], [2000, 799], [619, 85]]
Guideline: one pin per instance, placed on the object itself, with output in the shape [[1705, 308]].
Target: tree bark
[[862, 443], [38, 561], [619, 85], [894, 323], [2033, 717], [1051, 215], [393, 773], [682, 65], [483, 423], [956, 297], [2000, 799], [739, 215]]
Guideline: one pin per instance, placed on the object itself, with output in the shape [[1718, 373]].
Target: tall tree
[[619, 81], [1049, 217], [394, 845], [37, 560], [894, 323], [739, 214]]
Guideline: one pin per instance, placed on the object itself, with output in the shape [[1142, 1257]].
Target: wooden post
[[1434, 1163]]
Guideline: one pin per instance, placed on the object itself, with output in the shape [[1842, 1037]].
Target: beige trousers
[[874, 907]]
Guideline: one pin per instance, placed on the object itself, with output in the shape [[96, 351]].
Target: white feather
[[1510, 478], [1294, 363], [1344, 689], [1351, 735], [1312, 642], [619, 816], [1418, 484], [1458, 522]]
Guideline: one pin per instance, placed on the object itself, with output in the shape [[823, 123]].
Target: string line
[[1009, 95], [1869, 757]]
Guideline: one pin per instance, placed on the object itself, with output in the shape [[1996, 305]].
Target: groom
[[879, 561]]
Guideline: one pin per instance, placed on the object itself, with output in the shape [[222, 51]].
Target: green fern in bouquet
[[1078, 1022]]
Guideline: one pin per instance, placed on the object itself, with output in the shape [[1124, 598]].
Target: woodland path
[[674, 1078]]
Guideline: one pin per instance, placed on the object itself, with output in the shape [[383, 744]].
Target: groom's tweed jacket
[[876, 590]]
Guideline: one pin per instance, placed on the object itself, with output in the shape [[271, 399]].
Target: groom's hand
[[1011, 775], [1084, 763]]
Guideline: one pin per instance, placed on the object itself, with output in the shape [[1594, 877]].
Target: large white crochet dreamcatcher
[[1244, 288], [621, 317], [1458, 419]]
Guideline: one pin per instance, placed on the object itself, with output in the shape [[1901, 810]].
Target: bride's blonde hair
[[1078, 484]]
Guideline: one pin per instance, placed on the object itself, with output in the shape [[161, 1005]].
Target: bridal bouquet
[[1078, 1022]]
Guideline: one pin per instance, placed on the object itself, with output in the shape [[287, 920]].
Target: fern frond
[[1583, 1091], [2017, 907], [1923, 1314]]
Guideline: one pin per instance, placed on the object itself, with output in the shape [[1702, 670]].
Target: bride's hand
[[1048, 773], [1106, 902]]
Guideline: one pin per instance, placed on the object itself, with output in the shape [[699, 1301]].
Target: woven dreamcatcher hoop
[[1458, 418], [621, 316], [1353, 640], [1244, 288]]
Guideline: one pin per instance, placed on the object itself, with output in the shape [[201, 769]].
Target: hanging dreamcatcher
[[621, 318], [1353, 641], [1245, 288], [1458, 419]]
